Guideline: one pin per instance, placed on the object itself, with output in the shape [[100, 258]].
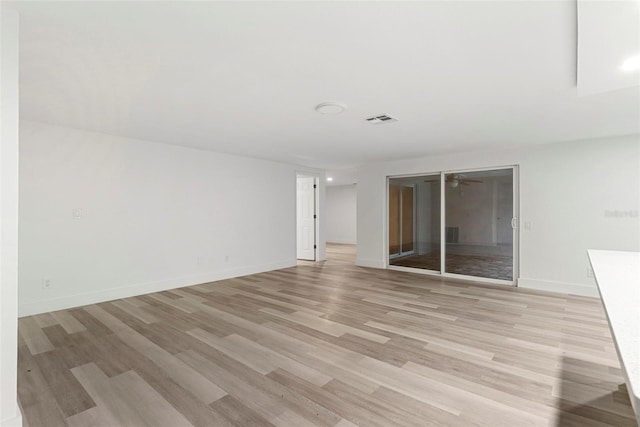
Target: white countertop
[[618, 276]]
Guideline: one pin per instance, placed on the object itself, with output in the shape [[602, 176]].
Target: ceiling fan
[[456, 180]]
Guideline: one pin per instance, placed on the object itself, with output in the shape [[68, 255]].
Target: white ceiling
[[244, 77], [608, 35]]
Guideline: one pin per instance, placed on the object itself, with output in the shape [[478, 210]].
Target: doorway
[[464, 224], [306, 217]]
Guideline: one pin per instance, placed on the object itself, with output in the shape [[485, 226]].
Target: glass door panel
[[394, 220], [478, 223], [414, 222], [407, 219]]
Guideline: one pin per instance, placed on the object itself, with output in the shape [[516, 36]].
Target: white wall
[[9, 413], [153, 216], [340, 213], [577, 195]]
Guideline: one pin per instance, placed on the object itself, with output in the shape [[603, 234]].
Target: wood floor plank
[[259, 358], [36, 397], [136, 311], [392, 410], [264, 395], [306, 349], [55, 367], [355, 413], [176, 369], [45, 319], [521, 404], [262, 403], [290, 418], [33, 336], [127, 399], [327, 326], [188, 404], [68, 322], [238, 413], [431, 340]]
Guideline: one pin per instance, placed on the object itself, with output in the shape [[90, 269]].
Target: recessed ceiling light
[[329, 179], [631, 64], [330, 108]]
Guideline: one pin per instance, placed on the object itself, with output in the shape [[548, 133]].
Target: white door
[[306, 221]]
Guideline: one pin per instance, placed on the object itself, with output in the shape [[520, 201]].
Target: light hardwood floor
[[327, 344]]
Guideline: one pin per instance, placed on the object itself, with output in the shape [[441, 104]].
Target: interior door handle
[[514, 222]]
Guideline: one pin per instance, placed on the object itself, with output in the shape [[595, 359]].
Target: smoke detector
[[383, 118], [330, 108]]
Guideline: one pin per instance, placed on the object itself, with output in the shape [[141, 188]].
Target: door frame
[[442, 272], [316, 213]]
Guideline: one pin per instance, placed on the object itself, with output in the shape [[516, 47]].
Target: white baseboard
[[561, 287], [77, 300], [373, 263], [342, 242], [15, 421]]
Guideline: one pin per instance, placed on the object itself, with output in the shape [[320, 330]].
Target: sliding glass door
[[461, 223]]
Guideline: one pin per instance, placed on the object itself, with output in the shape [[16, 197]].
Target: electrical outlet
[[527, 225], [590, 272], [226, 258], [76, 213], [46, 283], [200, 260]]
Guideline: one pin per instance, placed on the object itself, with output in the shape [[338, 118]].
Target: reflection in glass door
[[406, 219], [476, 234], [401, 219], [394, 220], [478, 224], [414, 222]]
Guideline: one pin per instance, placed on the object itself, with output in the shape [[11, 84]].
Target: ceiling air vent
[[383, 118]]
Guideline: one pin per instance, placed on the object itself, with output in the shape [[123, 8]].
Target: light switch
[[527, 225]]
